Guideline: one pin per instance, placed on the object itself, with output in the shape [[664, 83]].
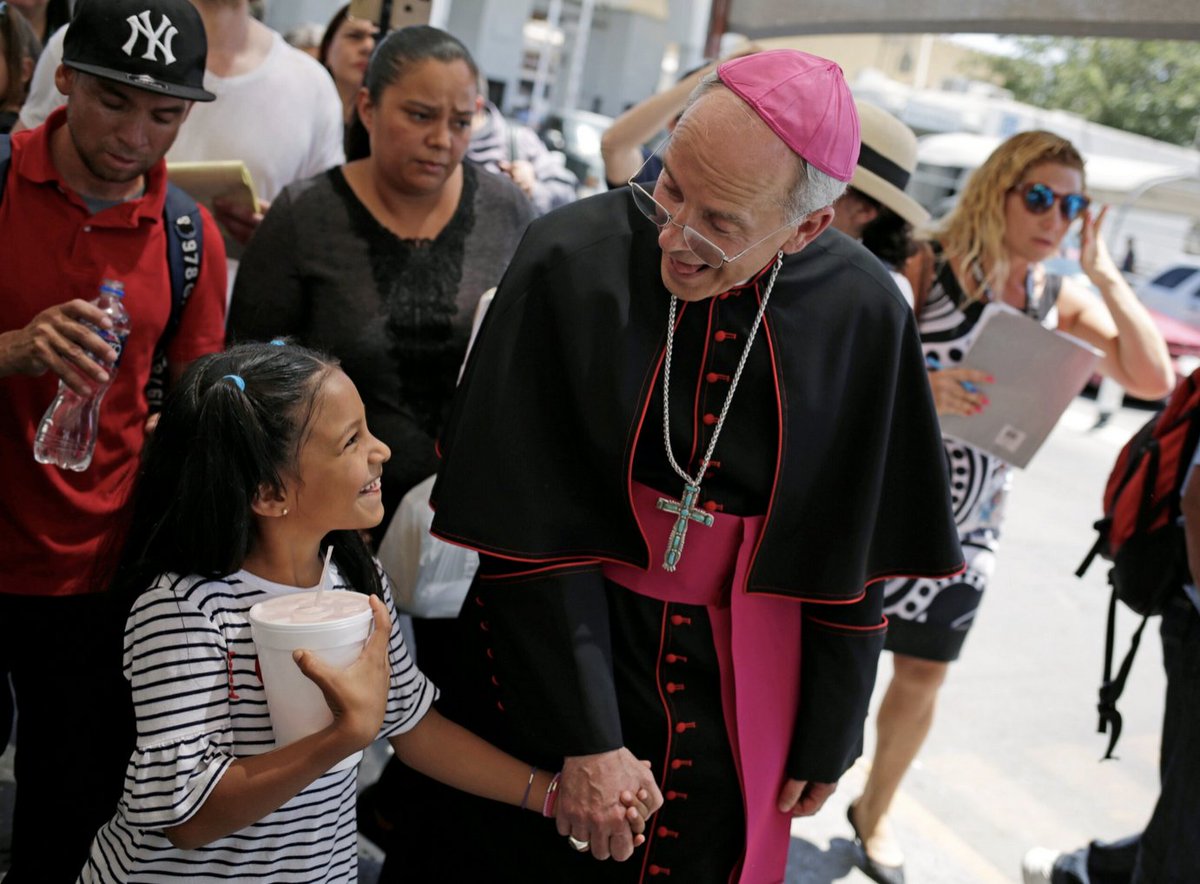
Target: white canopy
[[1144, 19]]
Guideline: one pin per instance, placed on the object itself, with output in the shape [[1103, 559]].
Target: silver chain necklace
[[685, 508]]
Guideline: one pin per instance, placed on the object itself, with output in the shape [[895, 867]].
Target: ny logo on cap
[[156, 38]]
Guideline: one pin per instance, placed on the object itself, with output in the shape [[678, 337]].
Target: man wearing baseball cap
[[694, 435], [86, 200]]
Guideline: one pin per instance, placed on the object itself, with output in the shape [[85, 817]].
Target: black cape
[[538, 450]]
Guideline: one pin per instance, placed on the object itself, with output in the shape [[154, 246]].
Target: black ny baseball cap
[[155, 45]]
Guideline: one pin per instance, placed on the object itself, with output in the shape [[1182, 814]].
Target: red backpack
[[1140, 532]]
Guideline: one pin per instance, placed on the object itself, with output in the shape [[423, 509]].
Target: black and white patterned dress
[[931, 618]]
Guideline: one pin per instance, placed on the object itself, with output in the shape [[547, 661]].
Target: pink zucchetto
[[805, 100]]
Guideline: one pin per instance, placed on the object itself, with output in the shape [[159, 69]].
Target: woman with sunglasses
[[1012, 215]]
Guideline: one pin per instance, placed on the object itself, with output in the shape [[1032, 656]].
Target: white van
[[1175, 291]]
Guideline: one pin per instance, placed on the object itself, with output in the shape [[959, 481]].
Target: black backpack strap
[[1102, 528], [1112, 688], [185, 252], [5, 157]]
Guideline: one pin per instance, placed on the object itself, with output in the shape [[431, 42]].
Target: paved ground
[[1012, 760], [1013, 757]]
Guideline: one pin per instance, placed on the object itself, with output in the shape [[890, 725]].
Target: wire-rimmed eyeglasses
[[700, 245]]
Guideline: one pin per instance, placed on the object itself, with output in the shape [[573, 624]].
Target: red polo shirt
[[53, 522]]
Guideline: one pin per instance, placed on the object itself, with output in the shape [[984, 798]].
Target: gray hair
[[812, 190]]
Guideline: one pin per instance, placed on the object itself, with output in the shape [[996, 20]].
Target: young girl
[[261, 459]]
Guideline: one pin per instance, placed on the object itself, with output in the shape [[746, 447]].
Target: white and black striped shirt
[[199, 701]]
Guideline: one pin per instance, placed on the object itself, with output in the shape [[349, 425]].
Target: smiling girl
[[262, 459]]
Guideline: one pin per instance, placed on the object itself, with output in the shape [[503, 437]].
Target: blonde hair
[[974, 231]]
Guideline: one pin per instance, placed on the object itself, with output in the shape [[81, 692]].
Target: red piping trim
[[816, 600], [586, 556], [584, 564], [665, 766], [766, 328], [929, 575], [843, 626], [647, 395], [807, 600], [753, 281]]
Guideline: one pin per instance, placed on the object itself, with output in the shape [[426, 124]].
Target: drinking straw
[[324, 574]]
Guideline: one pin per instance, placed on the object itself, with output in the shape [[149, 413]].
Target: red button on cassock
[[659, 870], [683, 726], [680, 620], [719, 336], [712, 377], [711, 505], [709, 419]]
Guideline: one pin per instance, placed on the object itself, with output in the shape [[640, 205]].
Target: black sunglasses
[[1040, 198]]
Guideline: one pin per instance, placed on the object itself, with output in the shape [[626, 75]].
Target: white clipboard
[[217, 179], [1038, 372], [207, 181]]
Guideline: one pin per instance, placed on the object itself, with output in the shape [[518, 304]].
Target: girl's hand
[[637, 813], [1094, 258], [357, 695], [959, 390]]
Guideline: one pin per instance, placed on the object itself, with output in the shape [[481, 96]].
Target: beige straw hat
[[886, 162]]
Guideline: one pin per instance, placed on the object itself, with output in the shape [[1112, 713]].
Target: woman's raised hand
[[357, 695], [1094, 258]]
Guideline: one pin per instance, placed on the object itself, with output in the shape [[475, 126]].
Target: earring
[[285, 511]]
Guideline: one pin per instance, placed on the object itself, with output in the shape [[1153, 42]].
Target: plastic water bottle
[[66, 437]]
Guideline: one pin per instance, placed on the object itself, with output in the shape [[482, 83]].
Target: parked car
[[577, 134], [1181, 331], [1175, 291]]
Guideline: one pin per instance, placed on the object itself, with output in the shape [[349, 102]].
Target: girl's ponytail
[[228, 431]]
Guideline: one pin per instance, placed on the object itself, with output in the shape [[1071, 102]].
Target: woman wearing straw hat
[[875, 209], [1012, 215]]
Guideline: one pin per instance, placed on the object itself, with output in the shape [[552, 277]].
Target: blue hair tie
[[278, 342], [241, 385]]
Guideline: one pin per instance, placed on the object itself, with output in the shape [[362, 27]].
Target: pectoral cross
[[686, 510]]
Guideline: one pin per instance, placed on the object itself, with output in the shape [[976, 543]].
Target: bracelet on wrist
[[525, 798]]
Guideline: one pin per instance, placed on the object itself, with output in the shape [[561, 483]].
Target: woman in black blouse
[[381, 262]]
